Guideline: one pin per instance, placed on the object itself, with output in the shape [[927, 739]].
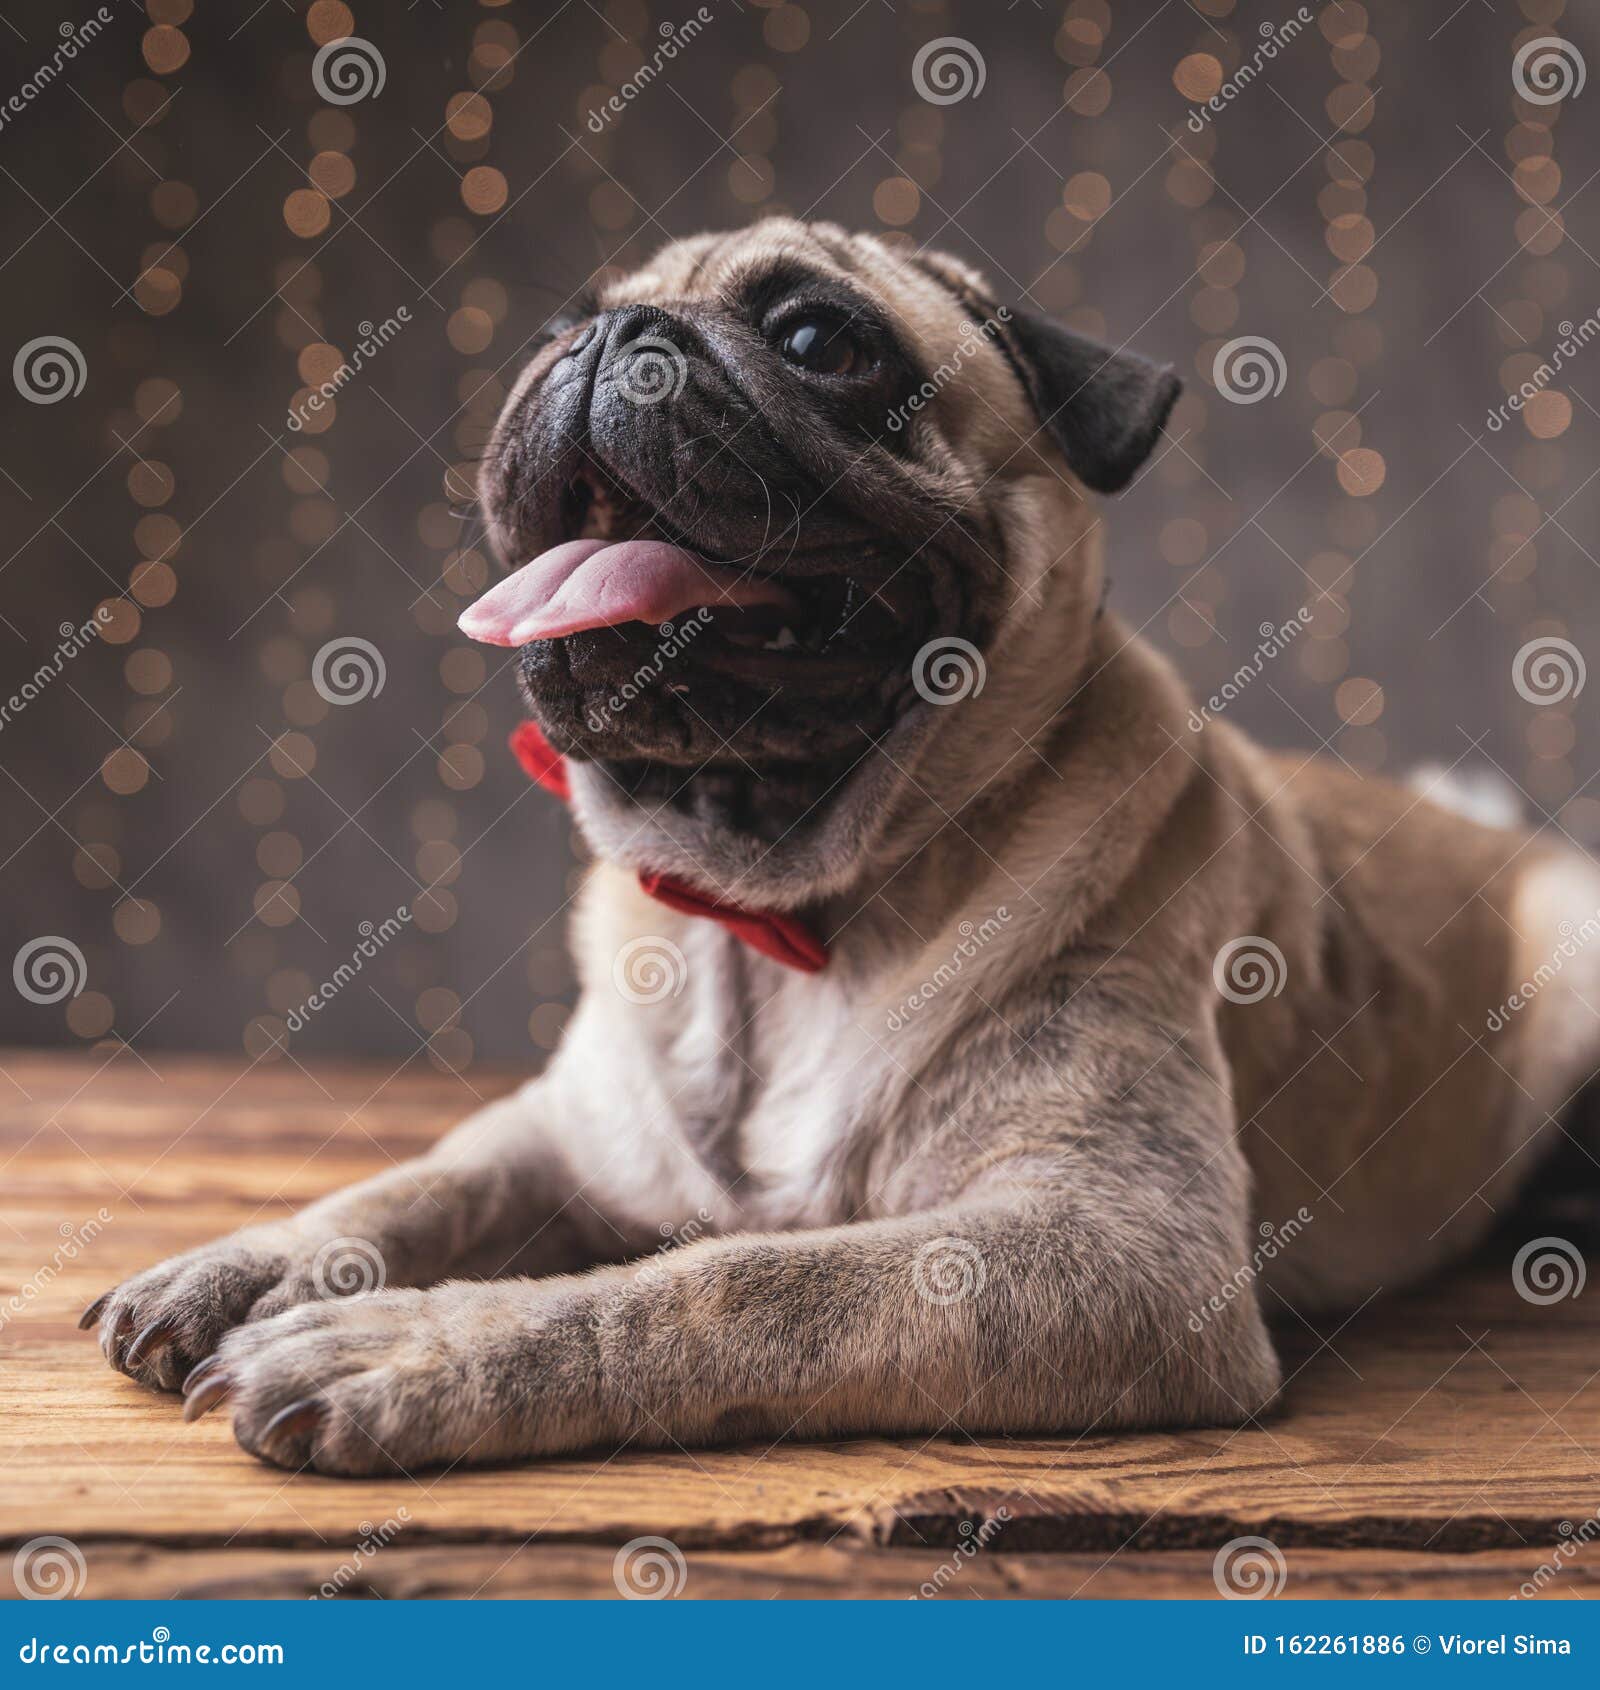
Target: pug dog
[[975, 1037]]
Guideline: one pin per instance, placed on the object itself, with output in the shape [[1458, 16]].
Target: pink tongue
[[601, 583]]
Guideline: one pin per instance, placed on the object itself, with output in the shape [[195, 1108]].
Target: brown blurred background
[[213, 236]]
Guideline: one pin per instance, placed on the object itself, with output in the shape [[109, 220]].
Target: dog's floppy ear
[[1104, 409]]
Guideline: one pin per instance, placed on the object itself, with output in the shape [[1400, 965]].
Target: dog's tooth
[[783, 642]]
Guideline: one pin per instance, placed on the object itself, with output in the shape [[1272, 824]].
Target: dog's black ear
[[1104, 409]]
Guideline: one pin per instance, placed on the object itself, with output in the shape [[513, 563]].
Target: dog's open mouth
[[621, 567]]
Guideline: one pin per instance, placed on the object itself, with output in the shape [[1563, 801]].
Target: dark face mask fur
[[735, 525]]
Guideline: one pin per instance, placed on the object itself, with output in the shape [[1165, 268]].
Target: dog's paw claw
[[151, 1341], [91, 1314], [201, 1398], [290, 1435], [159, 1324]]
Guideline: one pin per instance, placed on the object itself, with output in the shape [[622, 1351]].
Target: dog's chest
[[776, 1079]]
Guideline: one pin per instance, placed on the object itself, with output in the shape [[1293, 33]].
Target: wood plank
[[795, 1572], [1455, 1420]]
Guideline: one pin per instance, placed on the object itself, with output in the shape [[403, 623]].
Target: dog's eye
[[821, 345]]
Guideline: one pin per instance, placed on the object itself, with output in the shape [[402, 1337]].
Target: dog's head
[[767, 472]]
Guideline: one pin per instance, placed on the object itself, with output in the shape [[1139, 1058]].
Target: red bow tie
[[778, 936]]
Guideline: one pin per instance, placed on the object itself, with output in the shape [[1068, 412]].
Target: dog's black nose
[[646, 354]]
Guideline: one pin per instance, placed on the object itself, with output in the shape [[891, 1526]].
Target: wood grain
[[1439, 1438]]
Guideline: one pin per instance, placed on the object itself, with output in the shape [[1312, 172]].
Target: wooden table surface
[[1445, 1442]]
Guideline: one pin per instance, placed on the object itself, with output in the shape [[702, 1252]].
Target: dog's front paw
[[160, 1324], [386, 1383]]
